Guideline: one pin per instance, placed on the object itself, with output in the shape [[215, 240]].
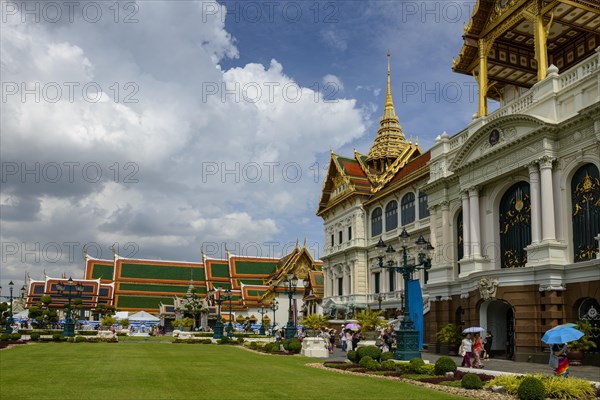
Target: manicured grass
[[156, 369]]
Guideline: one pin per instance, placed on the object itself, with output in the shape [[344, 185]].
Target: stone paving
[[497, 366]]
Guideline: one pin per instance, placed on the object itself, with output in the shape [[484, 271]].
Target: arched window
[[407, 208], [376, 221], [459, 239], [391, 215], [589, 310], [423, 207], [515, 225], [585, 200]]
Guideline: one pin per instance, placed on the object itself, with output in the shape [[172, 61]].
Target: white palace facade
[[511, 203]]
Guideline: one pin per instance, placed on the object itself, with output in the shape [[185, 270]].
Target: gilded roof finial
[[390, 141], [388, 94]]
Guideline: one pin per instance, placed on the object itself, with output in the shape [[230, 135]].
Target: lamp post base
[[290, 330], [8, 329], [218, 333], [230, 330], [261, 331], [407, 344], [69, 329]]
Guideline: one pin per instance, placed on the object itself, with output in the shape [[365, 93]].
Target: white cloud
[[332, 84], [202, 154]]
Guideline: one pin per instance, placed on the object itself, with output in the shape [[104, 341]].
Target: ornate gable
[[496, 137]]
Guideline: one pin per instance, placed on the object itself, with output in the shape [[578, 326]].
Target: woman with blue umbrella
[[557, 338]]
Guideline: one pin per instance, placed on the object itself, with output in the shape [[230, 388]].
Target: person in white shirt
[[465, 350]]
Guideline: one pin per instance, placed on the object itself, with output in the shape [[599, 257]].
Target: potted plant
[[125, 323], [449, 337], [313, 322], [187, 323], [108, 321], [578, 348], [369, 321]]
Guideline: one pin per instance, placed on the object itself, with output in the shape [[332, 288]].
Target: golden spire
[[390, 141], [388, 95]]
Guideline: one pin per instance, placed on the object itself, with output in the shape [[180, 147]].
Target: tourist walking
[[465, 351], [331, 340], [349, 340], [343, 340], [355, 340], [559, 360], [477, 349], [487, 345]]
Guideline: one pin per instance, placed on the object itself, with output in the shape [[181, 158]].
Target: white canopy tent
[[143, 316]]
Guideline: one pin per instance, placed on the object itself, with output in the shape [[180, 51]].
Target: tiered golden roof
[[390, 142]]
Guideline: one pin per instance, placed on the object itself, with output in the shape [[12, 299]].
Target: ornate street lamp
[[262, 310], [218, 325], [407, 338], [274, 307], [290, 283], [69, 328], [228, 296], [9, 320]]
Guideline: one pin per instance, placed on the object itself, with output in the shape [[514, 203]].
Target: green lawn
[[135, 370]]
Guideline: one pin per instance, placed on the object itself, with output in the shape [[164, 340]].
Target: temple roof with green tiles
[[147, 284]]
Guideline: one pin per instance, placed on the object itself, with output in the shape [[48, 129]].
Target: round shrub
[[388, 355], [371, 351], [352, 356], [253, 345], [389, 365], [240, 340], [272, 347], [295, 346], [57, 337], [34, 337], [531, 389], [364, 360], [15, 336], [416, 364], [427, 369], [79, 339], [372, 365], [206, 341], [5, 337], [471, 381], [444, 364]]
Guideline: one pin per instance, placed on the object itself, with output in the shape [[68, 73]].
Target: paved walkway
[[497, 366]]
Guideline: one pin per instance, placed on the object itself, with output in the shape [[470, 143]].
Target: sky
[[166, 127]]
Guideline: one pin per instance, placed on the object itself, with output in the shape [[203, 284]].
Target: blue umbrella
[[561, 334], [567, 325]]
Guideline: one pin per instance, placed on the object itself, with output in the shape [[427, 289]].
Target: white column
[[475, 232], [548, 228], [446, 238], [466, 211], [534, 187], [432, 231]]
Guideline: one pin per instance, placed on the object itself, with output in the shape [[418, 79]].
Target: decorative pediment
[[495, 136]]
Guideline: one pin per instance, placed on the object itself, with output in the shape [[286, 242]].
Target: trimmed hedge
[[353, 356], [444, 364], [471, 381], [372, 351], [531, 388], [388, 355], [389, 365]]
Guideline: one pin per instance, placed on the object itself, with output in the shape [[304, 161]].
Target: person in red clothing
[[477, 349]]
